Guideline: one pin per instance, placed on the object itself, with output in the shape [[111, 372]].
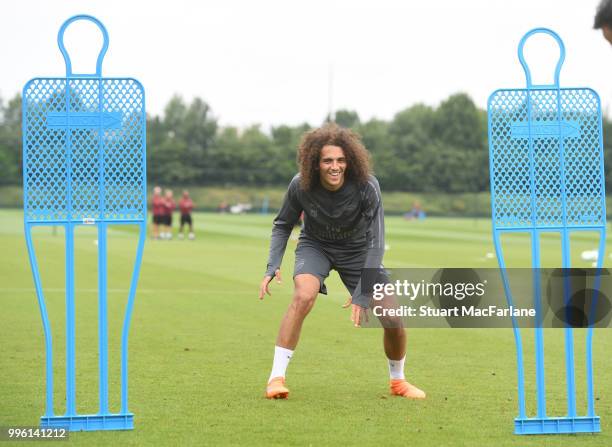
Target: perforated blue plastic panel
[[558, 158], [84, 151]]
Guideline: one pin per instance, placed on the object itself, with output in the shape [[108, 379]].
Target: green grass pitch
[[201, 345]]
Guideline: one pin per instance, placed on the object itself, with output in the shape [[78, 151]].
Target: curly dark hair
[[357, 157], [603, 16]]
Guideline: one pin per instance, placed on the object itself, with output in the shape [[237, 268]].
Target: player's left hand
[[358, 314]]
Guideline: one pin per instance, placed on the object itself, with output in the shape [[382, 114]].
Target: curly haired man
[[343, 230]]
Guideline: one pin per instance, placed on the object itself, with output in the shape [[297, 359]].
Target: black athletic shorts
[[158, 219], [185, 219], [316, 258], [168, 220]]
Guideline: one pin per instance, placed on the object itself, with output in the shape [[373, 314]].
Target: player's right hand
[[265, 283]]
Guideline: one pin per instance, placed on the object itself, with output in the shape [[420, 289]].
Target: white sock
[[396, 368], [281, 361]]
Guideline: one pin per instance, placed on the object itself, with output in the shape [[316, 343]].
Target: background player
[[157, 208], [169, 207], [186, 207]]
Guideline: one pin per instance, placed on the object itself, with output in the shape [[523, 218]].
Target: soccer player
[[169, 207], [603, 19], [344, 230], [186, 206], [157, 205]]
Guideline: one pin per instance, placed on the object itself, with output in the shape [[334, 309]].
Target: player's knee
[[303, 300], [393, 325]]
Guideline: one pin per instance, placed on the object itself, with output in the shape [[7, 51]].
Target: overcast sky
[[269, 62]]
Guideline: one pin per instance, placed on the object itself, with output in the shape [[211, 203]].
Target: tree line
[[422, 149]]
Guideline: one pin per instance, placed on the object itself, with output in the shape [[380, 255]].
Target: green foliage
[[10, 141], [346, 118], [180, 143], [422, 149], [449, 141]]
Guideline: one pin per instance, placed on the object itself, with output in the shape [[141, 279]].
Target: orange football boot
[[400, 387], [276, 389]]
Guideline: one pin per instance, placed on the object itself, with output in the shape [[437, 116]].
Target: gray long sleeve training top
[[348, 218]]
